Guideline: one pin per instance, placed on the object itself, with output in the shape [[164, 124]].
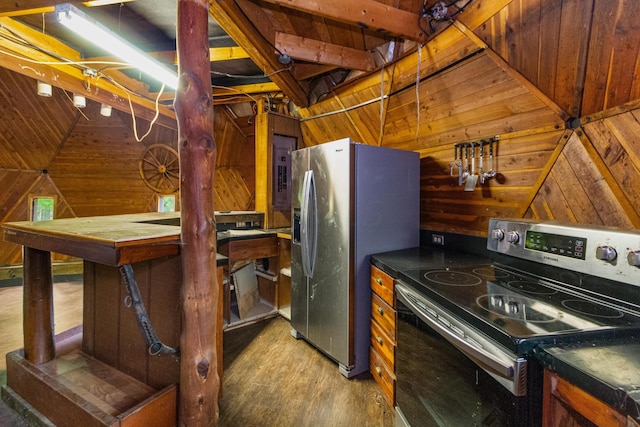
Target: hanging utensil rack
[[467, 176]]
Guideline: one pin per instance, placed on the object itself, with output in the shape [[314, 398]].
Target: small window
[[42, 208], [167, 203]]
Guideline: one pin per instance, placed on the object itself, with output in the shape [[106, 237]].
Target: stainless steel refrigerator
[[349, 201]]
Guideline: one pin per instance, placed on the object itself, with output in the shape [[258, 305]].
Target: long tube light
[[85, 26]]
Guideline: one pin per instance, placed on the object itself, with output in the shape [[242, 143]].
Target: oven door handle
[[489, 361]]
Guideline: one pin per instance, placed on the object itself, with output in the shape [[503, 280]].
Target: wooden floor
[[271, 379]]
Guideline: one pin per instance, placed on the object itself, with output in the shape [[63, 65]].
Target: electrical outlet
[[437, 239]]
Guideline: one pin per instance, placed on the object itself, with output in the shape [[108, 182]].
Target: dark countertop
[[609, 372], [395, 262]]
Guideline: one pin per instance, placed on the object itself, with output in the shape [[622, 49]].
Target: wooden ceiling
[[326, 43]]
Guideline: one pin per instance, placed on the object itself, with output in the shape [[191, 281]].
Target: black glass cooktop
[[499, 300]]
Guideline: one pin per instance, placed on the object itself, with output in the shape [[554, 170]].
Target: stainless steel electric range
[[466, 332]]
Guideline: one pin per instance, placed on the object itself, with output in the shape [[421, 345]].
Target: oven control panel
[[600, 251]]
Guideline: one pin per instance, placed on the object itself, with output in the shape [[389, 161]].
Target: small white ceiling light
[[105, 110], [44, 89], [85, 26], [79, 101]]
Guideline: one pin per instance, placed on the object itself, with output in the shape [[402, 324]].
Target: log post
[[37, 309], [199, 380]]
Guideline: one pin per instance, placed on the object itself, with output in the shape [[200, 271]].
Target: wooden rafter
[[35, 63], [324, 53], [235, 23], [368, 13], [32, 7]]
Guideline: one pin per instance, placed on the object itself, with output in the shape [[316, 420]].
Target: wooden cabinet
[[383, 332], [565, 404]]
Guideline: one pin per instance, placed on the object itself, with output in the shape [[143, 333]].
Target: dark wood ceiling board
[[370, 14]]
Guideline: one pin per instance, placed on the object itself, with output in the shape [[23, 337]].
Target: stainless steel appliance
[[467, 333], [348, 201]]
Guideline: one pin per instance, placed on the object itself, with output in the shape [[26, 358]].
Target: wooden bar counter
[[101, 373]]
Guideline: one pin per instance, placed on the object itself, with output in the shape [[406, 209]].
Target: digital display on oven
[[569, 246]]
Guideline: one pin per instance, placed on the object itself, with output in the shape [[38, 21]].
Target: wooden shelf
[[76, 389]]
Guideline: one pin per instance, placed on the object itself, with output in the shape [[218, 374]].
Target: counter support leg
[[37, 308]]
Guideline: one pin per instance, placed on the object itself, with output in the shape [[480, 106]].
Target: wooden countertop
[[112, 240], [117, 239]]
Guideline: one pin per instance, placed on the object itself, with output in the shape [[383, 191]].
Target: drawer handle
[[379, 371], [379, 339], [379, 281], [381, 311]]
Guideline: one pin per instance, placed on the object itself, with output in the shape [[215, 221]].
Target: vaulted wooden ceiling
[[287, 49]]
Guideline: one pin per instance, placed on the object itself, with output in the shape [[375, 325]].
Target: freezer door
[[299, 285], [330, 298]]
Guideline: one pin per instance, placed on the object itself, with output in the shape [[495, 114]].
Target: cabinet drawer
[[383, 345], [383, 377], [382, 284], [382, 313]]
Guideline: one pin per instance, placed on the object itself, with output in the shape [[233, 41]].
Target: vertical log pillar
[[39, 346], [199, 380]]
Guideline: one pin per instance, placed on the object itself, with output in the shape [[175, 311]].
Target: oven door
[[448, 374]]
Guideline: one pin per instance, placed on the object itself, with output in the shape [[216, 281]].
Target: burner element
[[452, 278], [592, 309]]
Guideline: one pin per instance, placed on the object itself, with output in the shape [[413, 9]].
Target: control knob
[[634, 258], [606, 253], [513, 237], [512, 307], [497, 234], [497, 301]]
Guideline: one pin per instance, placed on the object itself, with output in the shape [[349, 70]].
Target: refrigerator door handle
[[308, 224]]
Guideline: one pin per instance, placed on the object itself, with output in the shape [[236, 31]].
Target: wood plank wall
[[555, 84], [90, 163]]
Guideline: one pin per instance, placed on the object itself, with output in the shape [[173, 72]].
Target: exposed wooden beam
[[366, 13], [246, 89], [32, 7], [235, 23], [325, 53], [227, 53]]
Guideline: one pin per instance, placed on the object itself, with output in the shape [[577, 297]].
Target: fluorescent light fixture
[[85, 26]]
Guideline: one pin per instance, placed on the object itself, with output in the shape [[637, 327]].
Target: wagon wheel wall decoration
[[159, 168]]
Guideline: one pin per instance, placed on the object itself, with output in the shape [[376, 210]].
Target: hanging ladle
[[491, 173]]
